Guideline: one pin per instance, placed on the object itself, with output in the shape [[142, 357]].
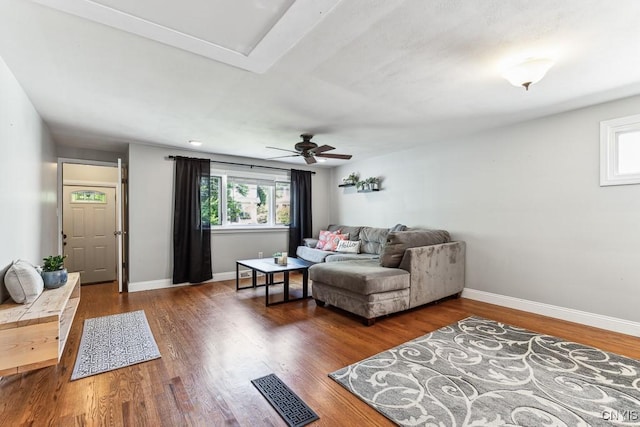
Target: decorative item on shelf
[[280, 258], [369, 184], [374, 183], [54, 274], [350, 180]]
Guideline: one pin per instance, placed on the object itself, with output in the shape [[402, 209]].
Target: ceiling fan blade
[[310, 160], [335, 156], [282, 157], [283, 149], [323, 148]]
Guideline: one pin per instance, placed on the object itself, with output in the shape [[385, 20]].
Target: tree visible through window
[[283, 202], [247, 201], [210, 200]]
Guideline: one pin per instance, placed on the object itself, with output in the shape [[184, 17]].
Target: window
[[620, 151], [88, 196], [210, 200], [250, 199]]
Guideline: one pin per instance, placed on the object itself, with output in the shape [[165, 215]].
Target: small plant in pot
[[352, 179], [374, 183], [54, 274]]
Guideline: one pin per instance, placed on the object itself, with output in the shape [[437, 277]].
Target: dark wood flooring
[[214, 340]]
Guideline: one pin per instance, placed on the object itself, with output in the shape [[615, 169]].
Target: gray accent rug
[[479, 372], [112, 342]]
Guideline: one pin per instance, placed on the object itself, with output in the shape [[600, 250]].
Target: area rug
[[112, 342], [479, 372]]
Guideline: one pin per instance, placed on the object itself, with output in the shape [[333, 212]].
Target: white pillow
[[349, 246], [23, 282]]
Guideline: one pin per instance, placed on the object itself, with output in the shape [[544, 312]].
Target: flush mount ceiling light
[[527, 72], [195, 143]]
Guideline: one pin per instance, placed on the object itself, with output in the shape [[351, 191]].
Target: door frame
[[119, 212]]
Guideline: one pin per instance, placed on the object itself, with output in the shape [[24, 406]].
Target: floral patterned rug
[[112, 342], [479, 372]]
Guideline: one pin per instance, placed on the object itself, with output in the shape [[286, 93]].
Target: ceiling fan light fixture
[[527, 72], [310, 151]]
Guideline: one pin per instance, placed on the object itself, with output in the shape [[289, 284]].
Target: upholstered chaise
[[412, 271]]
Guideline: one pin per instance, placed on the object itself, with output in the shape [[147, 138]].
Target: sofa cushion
[[361, 277], [334, 256], [353, 232], [373, 239], [23, 282], [398, 241], [312, 254], [398, 227]]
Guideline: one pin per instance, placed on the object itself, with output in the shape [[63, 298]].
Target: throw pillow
[[348, 246], [322, 238], [328, 241], [23, 282], [398, 241]]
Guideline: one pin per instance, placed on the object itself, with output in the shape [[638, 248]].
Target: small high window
[[620, 151], [88, 196]]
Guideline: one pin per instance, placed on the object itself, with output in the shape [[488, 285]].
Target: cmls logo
[[621, 415]]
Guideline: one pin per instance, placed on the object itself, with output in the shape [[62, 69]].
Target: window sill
[[249, 229]]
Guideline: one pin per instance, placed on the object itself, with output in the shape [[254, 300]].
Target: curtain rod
[[237, 164]]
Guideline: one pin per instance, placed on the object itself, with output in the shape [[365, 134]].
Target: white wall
[[151, 219], [527, 201], [28, 186]]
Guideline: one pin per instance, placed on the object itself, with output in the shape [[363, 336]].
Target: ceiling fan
[[310, 150]]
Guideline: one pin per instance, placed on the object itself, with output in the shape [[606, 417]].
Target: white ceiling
[[366, 76]]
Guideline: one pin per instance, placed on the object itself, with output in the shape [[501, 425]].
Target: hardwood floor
[[214, 340]]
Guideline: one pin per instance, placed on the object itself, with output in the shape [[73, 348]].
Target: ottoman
[[361, 287]]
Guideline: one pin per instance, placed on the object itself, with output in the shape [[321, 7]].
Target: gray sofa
[[371, 242], [411, 268]]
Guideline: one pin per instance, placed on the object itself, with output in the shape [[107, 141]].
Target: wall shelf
[[346, 185]]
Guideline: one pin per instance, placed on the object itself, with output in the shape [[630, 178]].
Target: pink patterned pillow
[[328, 240]]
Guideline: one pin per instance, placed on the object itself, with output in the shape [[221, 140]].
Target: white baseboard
[[591, 319], [152, 284], [167, 283]]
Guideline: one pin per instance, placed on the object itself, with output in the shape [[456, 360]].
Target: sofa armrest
[[437, 271], [309, 242]]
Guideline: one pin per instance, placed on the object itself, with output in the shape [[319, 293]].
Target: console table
[[268, 267], [33, 335]]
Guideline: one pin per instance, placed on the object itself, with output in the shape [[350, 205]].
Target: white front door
[[89, 225]]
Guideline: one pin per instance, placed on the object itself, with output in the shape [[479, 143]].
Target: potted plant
[[54, 274], [374, 183], [352, 179]]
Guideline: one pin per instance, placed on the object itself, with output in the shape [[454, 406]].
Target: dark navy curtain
[[300, 225], [191, 221]]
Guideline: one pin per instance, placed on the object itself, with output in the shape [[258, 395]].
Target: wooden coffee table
[[268, 267]]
